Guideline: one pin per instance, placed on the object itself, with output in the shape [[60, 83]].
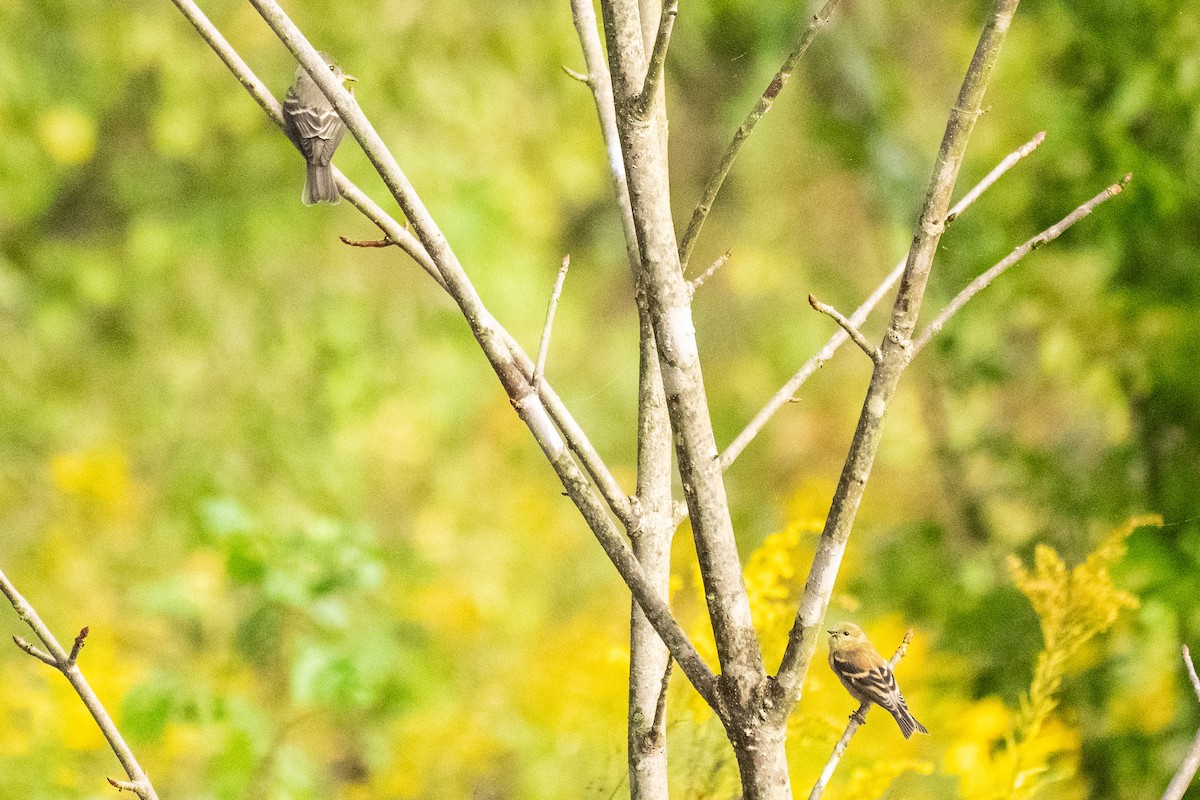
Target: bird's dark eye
[[331, 67], [845, 633]]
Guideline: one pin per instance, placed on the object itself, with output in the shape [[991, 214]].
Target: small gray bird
[[311, 122]]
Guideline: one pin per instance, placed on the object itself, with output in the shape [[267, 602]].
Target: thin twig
[[493, 341], [1001, 168], [384, 242], [788, 392], [1191, 762], [983, 281], [600, 82], [577, 440], [660, 708], [64, 662], [858, 718], [759, 111], [658, 58], [849, 327], [1191, 670], [579, 76], [544, 346], [24, 645], [698, 281], [125, 786]]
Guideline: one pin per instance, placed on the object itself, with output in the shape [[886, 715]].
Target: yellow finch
[[867, 676]]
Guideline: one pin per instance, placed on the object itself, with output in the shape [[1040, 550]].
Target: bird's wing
[[319, 131], [870, 681]]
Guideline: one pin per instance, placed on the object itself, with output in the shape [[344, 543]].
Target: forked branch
[[394, 231], [511, 365], [983, 281], [658, 59], [895, 354], [787, 393], [60, 659]]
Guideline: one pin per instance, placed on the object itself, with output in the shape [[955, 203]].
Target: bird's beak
[[350, 78], [831, 633], [347, 83]]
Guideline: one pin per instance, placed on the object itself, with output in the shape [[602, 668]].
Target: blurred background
[[321, 557]]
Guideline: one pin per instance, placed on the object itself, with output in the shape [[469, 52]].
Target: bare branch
[[496, 344], [788, 392], [1191, 670], [1004, 166], [669, 304], [576, 439], [658, 59], [64, 662], [698, 281], [45, 658], [384, 242], [983, 281], [709, 195], [858, 718], [849, 327], [544, 346], [660, 708], [895, 354], [1191, 762]]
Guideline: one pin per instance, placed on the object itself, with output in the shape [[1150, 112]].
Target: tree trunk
[[651, 539], [762, 761]]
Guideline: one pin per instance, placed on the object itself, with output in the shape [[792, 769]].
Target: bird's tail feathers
[[908, 723], [319, 186]]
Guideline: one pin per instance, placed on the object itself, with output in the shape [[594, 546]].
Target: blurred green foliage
[[319, 555]]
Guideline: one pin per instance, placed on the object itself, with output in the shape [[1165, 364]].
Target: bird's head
[[302, 75], [845, 635]]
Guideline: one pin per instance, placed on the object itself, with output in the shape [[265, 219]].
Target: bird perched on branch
[[312, 123], [867, 676]]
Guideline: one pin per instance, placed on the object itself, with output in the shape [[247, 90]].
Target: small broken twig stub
[[384, 242]]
